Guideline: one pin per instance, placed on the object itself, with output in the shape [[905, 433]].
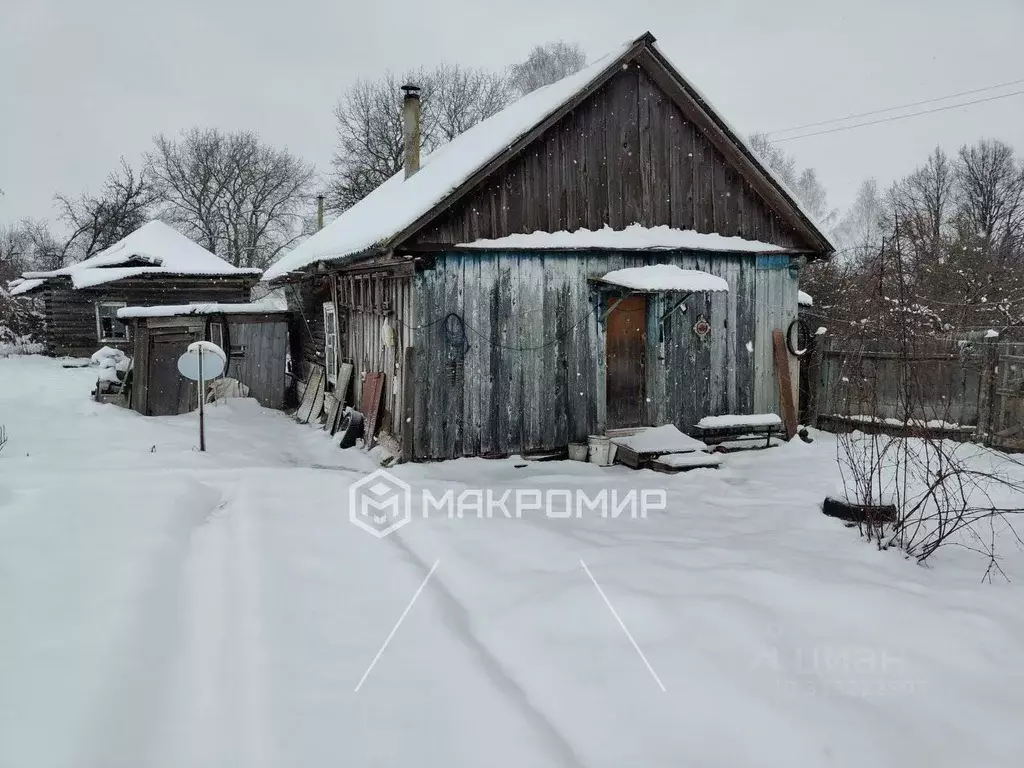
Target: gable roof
[[152, 249], [399, 207]]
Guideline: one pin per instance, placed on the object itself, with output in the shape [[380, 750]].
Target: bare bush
[[908, 447]]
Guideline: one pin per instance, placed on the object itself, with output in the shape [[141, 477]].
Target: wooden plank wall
[[367, 305], [531, 373], [627, 154], [70, 314], [362, 339], [868, 378], [262, 368], [775, 302]]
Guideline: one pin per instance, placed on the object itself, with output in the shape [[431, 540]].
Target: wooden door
[[168, 392], [626, 353]]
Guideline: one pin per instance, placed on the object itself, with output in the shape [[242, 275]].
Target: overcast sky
[[82, 83]]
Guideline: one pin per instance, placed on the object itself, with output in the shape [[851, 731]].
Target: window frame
[[99, 305], [217, 333], [331, 341]]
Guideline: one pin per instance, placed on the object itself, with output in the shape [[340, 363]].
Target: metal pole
[[202, 397]]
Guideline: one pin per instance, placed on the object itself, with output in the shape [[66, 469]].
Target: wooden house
[[254, 337], [153, 265], [480, 280]]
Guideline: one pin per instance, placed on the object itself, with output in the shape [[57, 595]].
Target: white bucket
[[577, 451], [600, 450]]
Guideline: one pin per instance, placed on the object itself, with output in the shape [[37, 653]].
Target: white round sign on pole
[[213, 356], [202, 361]]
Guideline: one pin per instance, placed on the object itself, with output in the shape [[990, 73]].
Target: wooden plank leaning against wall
[[374, 307]]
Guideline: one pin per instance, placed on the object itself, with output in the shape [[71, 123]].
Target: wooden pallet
[[672, 463]]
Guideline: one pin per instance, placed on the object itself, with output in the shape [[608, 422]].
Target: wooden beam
[[786, 403]]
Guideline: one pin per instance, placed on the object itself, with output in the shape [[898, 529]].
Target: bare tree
[[369, 123], [776, 158], [922, 201], [990, 193], [805, 184], [859, 232], [547, 64], [46, 252], [97, 222], [15, 251], [237, 196]]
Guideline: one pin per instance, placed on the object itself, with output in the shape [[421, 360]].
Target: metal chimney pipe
[[319, 212], [411, 128]]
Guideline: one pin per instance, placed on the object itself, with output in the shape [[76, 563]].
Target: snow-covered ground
[[163, 607]]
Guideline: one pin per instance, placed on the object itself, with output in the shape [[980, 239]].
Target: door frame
[[610, 301]]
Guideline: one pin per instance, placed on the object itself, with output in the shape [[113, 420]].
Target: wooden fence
[[969, 389]]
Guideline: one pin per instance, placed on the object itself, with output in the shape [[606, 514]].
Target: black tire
[[351, 429], [803, 336]]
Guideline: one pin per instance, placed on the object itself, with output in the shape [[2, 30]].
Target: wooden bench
[[737, 433]]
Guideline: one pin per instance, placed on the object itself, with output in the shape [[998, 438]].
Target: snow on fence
[[966, 388]]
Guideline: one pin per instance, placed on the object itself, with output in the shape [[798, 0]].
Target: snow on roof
[[634, 237], [398, 202], [162, 249], [804, 299], [21, 286], [176, 310], [665, 277]]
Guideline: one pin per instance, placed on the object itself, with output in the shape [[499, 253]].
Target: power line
[[893, 109], [898, 117]]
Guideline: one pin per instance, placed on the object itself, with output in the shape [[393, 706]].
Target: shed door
[[626, 362], [168, 393]]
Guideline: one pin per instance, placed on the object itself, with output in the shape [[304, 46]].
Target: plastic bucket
[[577, 451], [600, 450]]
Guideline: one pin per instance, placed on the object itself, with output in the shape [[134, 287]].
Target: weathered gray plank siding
[[261, 367], [627, 154], [531, 375], [375, 325], [776, 307]]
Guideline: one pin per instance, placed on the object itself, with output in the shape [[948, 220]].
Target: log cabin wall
[[530, 374], [628, 154], [69, 314]]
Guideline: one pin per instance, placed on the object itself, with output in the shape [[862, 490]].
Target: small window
[[331, 342], [108, 327], [217, 334], [237, 350]]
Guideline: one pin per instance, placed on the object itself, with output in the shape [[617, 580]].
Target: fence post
[[986, 393], [815, 378]]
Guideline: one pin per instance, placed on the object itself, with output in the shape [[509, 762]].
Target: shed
[[478, 281], [254, 336], [153, 265]]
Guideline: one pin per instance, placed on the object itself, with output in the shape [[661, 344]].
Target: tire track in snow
[[457, 618], [132, 711]]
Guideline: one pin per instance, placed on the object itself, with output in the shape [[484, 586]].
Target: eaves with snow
[[401, 206], [154, 249]]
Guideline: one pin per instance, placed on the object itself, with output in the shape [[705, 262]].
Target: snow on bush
[[20, 321]]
